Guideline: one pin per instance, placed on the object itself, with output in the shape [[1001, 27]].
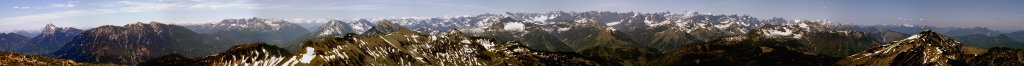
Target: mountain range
[[553, 38], [252, 30]]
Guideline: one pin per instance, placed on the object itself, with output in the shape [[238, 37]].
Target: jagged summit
[[51, 29], [924, 48]]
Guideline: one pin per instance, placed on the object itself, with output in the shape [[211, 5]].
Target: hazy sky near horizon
[[1004, 15]]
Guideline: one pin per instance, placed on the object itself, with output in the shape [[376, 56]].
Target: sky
[[1003, 15]]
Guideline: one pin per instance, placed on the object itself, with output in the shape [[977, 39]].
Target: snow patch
[[804, 25], [722, 26], [913, 37], [612, 23], [487, 45], [308, 56], [908, 25], [465, 41], [563, 29]]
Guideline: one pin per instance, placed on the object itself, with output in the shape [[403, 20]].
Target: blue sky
[[1005, 15]]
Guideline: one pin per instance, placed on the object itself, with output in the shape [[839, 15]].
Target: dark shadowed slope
[[133, 43], [12, 41], [745, 51]]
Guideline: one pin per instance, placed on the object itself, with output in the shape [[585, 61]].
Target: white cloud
[[515, 26], [21, 7], [42, 17], [326, 7], [442, 3], [124, 6], [131, 6], [62, 5], [611, 3], [216, 5]]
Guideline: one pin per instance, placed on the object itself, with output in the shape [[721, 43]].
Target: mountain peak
[[923, 48], [334, 27], [385, 23], [927, 32], [383, 27], [153, 23], [930, 37], [50, 39], [51, 29], [50, 26], [509, 19], [335, 21], [455, 33]]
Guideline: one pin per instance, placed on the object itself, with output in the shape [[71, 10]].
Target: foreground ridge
[[14, 59], [924, 48]]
